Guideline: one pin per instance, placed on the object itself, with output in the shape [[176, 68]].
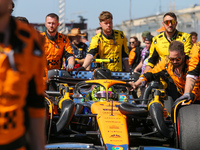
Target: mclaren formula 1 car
[[111, 118], [89, 115], [114, 120]]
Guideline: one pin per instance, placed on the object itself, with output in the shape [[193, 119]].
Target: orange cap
[[162, 29]]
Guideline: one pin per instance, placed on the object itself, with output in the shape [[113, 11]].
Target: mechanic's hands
[[133, 86], [135, 70], [45, 94], [79, 69], [69, 68], [185, 96]]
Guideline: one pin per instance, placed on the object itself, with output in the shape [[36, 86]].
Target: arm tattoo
[[192, 81]]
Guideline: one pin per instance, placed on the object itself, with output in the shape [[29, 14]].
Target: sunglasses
[[173, 59], [131, 42], [167, 22]]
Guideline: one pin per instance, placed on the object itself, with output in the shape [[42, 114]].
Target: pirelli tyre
[[188, 127]]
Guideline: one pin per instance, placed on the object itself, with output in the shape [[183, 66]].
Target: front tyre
[[188, 127]]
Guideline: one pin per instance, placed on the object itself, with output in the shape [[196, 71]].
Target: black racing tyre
[[188, 127]]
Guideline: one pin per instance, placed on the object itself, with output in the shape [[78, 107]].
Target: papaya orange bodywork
[[113, 127], [112, 123]]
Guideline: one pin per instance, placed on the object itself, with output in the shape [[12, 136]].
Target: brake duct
[[67, 111], [67, 107], [156, 113]]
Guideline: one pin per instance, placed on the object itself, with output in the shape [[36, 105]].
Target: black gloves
[[185, 96]]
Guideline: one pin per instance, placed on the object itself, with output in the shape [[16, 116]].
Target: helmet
[[102, 73], [99, 93], [102, 94]]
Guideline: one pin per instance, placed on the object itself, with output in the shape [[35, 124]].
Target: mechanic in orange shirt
[[173, 70], [193, 73], [22, 61], [57, 46]]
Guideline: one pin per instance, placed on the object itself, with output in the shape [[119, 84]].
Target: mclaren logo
[[106, 82]]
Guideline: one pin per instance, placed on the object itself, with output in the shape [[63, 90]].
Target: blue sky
[[36, 10]]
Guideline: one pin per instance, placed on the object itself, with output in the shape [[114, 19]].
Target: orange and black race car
[[89, 118], [114, 120], [103, 113]]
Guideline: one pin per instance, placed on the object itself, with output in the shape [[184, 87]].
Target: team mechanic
[[56, 45], [109, 44], [173, 70], [161, 42], [22, 64], [193, 72]]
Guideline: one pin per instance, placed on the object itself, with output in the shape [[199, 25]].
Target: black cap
[[149, 38]]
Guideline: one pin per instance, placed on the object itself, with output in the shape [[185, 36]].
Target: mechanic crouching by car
[[57, 46], [173, 70], [192, 74], [109, 44]]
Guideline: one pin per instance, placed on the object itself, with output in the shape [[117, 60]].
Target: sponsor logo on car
[[115, 136], [117, 148]]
